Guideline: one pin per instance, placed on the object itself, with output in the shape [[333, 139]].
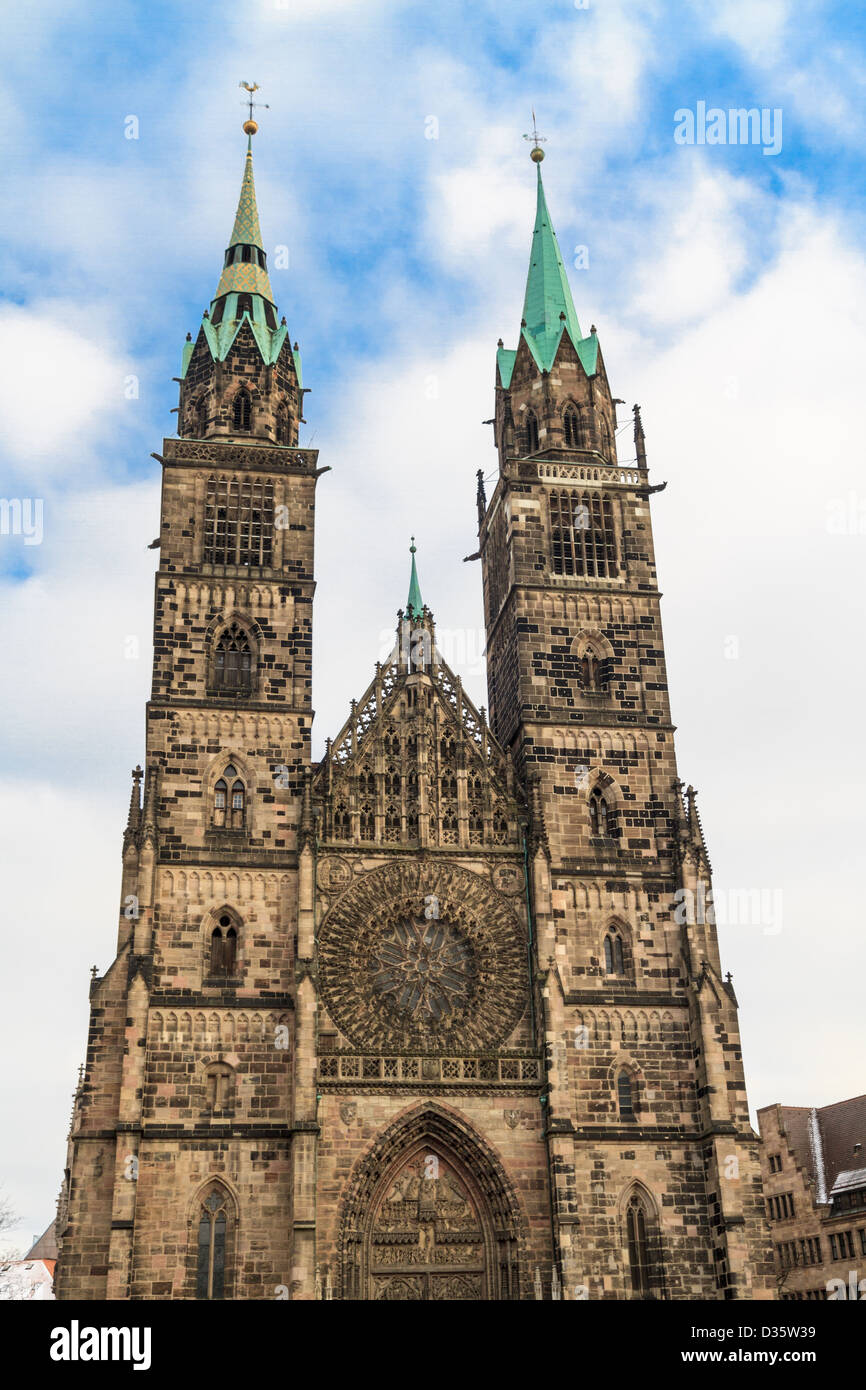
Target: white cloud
[[759, 27], [55, 384], [702, 221]]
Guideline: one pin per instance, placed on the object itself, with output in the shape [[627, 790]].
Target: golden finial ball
[[250, 127], [536, 154]]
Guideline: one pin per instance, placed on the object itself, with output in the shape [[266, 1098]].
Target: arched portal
[[430, 1217]]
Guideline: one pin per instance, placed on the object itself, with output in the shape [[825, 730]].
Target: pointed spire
[[414, 603], [134, 818], [547, 306], [245, 269], [639, 438]]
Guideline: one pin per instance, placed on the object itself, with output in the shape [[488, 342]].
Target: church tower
[[655, 1180], [441, 1016], [188, 1135]]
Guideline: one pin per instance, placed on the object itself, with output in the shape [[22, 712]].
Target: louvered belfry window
[[583, 540], [239, 522]]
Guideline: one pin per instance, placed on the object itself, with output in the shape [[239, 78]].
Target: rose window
[[424, 971]]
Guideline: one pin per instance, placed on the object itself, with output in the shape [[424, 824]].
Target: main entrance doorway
[[429, 1216], [427, 1240]]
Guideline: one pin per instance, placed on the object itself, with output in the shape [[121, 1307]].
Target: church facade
[[440, 1016]]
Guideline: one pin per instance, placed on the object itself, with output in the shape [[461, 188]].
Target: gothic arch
[[591, 637], [614, 925], [224, 920], [651, 1283], [468, 1165], [220, 626], [574, 424], [221, 1187], [624, 1065]]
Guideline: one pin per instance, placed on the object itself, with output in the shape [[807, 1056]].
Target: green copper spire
[[414, 603], [548, 293], [244, 293], [245, 270], [548, 308]]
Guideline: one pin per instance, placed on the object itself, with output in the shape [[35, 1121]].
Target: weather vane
[[251, 126], [536, 153]]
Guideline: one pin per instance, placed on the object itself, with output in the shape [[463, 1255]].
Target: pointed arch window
[[368, 823], [233, 662], [625, 1095], [284, 435], [614, 960], [223, 948], [531, 432], [571, 428], [212, 1234], [476, 829], [201, 411], [242, 405], [600, 817], [638, 1246], [342, 823], [230, 801]]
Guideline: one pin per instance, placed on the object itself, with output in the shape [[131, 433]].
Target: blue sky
[[729, 290]]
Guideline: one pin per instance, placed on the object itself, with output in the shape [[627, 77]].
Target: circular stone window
[[424, 959]]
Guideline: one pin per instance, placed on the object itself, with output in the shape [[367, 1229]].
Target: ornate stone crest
[[507, 878], [348, 1111], [333, 875]]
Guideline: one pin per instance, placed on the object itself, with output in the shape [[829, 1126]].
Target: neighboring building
[[430, 1019], [44, 1247], [813, 1162], [26, 1279]]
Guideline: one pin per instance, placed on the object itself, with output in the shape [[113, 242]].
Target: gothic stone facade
[[423, 1020]]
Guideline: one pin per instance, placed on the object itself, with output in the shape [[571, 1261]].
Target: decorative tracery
[[422, 956]]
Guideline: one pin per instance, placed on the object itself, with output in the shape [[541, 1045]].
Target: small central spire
[[414, 603]]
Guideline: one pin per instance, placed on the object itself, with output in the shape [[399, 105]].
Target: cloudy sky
[[729, 290]]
